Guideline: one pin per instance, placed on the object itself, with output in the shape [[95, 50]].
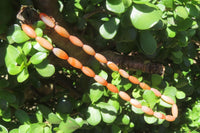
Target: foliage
[[164, 31]]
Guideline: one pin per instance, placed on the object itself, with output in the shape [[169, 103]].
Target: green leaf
[[156, 79], [23, 75], [93, 115], [116, 6], [3, 129], [53, 118], [8, 96], [108, 112], [114, 101], [39, 24], [39, 32], [125, 119], [181, 12], [45, 111], [14, 131], [47, 129], [141, 1], [6, 115], [11, 30], [12, 53], [180, 95], [96, 92], [144, 17], [108, 30], [69, 126], [137, 110], [14, 69], [148, 43], [23, 128], [170, 91], [36, 128], [22, 116], [38, 57], [20, 36], [39, 116], [127, 3], [38, 47], [150, 98], [4, 83], [45, 69], [168, 3], [150, 119], [170, 32], [27, 48], [103, 74]]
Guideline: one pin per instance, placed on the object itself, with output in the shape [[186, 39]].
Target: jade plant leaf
[[116, 6], [108, 30], [20, 36], [144, 17], [45, 69], [93, 115], [96, 92], [38, 57]]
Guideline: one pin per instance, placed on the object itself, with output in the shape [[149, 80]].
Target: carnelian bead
[[76, 41], [156, 92], [87, 71], [135, 103], [100, 80], [29, 30], [47, 20], [124, 96], [89, 50], [147, 110], [123, 73], [44, 43], [60, 53], [167, 99], [133, 80], [100, 58], [174, 110], [61, 31], [112, 88], [145, 86], [112, 66], [169, 118], [74, 62], [159, 115]]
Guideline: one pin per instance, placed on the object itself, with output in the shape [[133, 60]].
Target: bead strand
[[89, 72]]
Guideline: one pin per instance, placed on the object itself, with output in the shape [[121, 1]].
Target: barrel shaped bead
[[135, 103], [133, 80], [147, 110], [29, 30], [61, 31], [123, 73], [100, 58], [44, 43], [156, 92], [159, 115], [124, 96], [174, 110], [167, 99], [60, 53], [89, 50], [144, 86], [49, 21], [74, 62], [170, 118], [112, 88], [112, 66], [76, 41], [87, 71], [100, 80]]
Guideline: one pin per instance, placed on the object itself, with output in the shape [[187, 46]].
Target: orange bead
[[123, 73], [159, 115], [147, 110], [44, 43], [156, 92], [167, 99], [74, 62], [170, 118], [100, 58], [112, 88], [135, 103], [174, 110], [60, 53], [145, 86], [133, 80], [112, 66], [100, 80], [61, 31], [76, 41], [89, 50], [87, 71], [124, 96], [29, 30], [47, 20]]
